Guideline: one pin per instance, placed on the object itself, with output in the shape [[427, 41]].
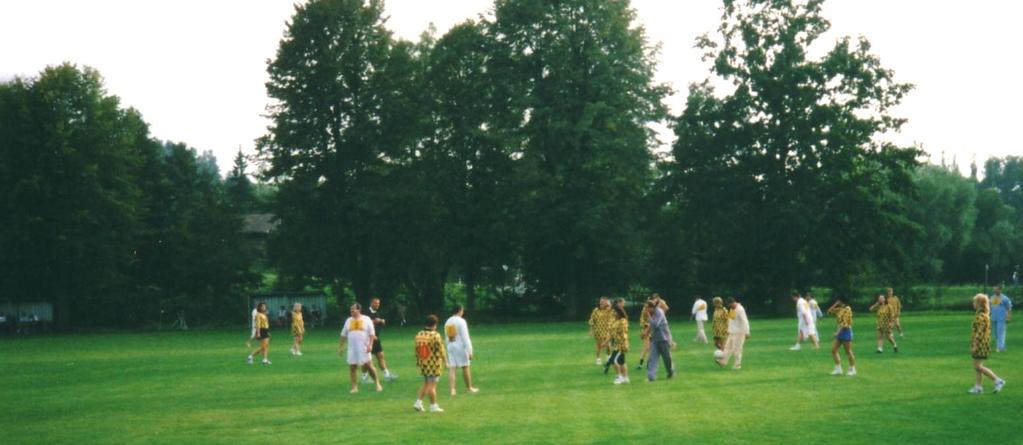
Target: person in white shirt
[[738, 333], [252, 324], [699, 313], [807, 327], [459, 348], [359, 334]]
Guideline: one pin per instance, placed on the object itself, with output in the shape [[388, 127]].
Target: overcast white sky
[[196, 68]]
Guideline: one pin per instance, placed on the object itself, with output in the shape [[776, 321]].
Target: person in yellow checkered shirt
[[431, 359], [620, 339], [980, 344], [719, 323], [600, 326], [843, 336], [884, 323], [262, 324], [297, 329], [896, 309]]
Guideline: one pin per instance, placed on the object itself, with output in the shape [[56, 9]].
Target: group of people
[[360, 342], [609, 327]]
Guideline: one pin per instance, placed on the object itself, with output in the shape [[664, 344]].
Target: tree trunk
[[572, 289]]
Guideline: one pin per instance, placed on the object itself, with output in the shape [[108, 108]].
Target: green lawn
[[539, 385]]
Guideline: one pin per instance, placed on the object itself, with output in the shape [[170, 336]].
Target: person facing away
[[460, 351]]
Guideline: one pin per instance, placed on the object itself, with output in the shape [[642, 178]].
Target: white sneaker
[[618, 380], [598, 362], [266, 362], [474, 390], [837, 371], [292, 350], [976, 390], [418, 406], [796, 347], [626, 380], [390, 377], [436, 409], [248, 359], [998, 385], [852, 372], [298, 353], [365, 379]]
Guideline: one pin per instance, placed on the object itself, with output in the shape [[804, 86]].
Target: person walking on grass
[[254, 334], [644, 324], [807, 328], [1001, 314], [884, 324], [699, 313], [359, 334], [262, 334], [430, 359], [297, 329], [460, 353], [843, 336], [600, 326], [620, 339], [719, 324], [618, 304], [738, 333], [980, 345], [378, 349], [660, 341], [815, 309], [896, 309]]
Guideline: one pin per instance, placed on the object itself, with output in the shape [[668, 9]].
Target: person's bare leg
[[816, 342], [432, 392], [467, 375], [849, 353], [381, 361], [351, 376], [265, 346], [452, 379], [834, 353], [368, 367]]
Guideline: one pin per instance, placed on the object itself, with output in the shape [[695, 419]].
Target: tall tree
[[70, 154], [585, 73], [239, 189], [338, 126], [785, 180]]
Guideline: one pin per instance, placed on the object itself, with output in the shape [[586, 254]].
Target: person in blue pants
[[1001, 314], [660, 342]]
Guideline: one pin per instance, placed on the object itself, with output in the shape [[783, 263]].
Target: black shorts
[[618, 357], [377, 348], [264, 334]]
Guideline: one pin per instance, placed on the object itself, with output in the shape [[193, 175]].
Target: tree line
[[513, 155]]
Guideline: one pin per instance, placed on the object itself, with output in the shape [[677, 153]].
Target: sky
[[196, 69]]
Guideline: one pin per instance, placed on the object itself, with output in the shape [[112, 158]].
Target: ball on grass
[[719, 354]]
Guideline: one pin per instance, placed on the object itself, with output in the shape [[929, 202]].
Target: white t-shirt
[[815, 310], [358, 331], [700, 310], [803, 310], [252, 322], [738, 324], [456, 331]]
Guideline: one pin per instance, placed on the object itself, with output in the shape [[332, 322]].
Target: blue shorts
[[845, 334]]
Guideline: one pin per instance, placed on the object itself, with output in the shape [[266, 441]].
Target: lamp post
[[986, 267]]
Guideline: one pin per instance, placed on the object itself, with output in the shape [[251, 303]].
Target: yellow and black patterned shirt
[[981, 336], [297, 324], [896, 306], [600, 322], [884, 317], [719, 326], [430, 353], [620, 334], [261, 321], [843, 314]]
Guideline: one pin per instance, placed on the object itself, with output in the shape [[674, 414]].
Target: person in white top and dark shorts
[[459, 348]]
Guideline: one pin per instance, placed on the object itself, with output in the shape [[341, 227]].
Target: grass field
[[539, 385]]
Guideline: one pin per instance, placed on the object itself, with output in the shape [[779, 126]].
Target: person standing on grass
[[620, 339], [807, 328], [297, 329], [884, 324], [618, 304], [600, 326], [359, 334], [896, 309], [252, 324], [699, 313], [378, 349], [430, 359], [644, 333], [263, 335], [1001, 314], [738, 333], [980, 345], [815, 309], [719, 323], [660, 341], [843, 336], [460, 353]]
